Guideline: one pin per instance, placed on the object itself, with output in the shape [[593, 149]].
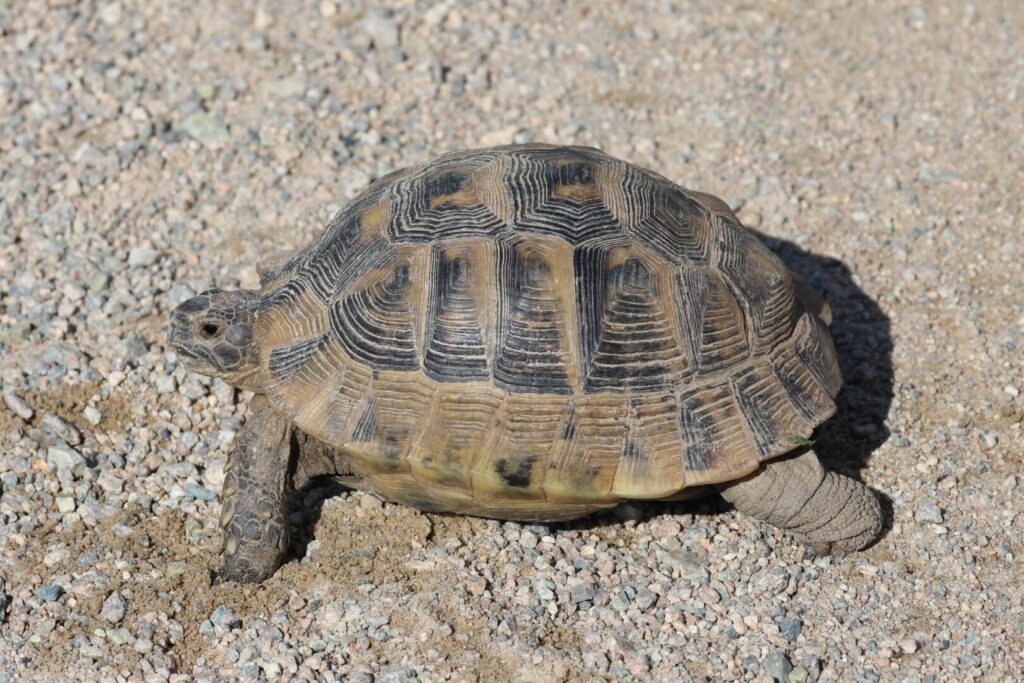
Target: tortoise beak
[[181, 332]]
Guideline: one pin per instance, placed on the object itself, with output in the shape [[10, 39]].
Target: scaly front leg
[[257, 483]]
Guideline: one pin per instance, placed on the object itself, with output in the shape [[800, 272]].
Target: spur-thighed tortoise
[[526, 332]]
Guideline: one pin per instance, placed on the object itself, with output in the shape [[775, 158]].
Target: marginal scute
[[536, 332], [584, 462], [460, 419], [521, 434], [650, 465], [770, 417], [715, 440]]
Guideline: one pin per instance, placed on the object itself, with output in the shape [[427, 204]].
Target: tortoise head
[[213, 334]]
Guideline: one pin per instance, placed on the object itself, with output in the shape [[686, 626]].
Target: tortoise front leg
[[257, 484]]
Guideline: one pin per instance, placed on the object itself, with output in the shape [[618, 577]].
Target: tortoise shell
[[536, 332]]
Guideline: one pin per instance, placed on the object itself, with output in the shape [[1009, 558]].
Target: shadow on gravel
[[305, 508]]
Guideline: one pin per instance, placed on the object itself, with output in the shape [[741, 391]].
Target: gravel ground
[[150, 150]]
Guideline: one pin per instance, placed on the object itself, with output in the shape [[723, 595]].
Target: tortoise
[[533, 333]]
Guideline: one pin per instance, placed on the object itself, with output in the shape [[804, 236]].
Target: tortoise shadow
[[862, 334]]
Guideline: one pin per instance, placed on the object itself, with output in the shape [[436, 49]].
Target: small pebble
[[224, 617], [790, 629], [50, 593], [142, 256], [60, 429], [65, 458], [778, 666], [92, 415], [114, 608], [928, 512], [18, 406], [199, 492]]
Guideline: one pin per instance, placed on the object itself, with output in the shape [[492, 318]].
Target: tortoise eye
[[210, 330]]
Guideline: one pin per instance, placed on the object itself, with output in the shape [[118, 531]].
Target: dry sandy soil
[[150, 150]]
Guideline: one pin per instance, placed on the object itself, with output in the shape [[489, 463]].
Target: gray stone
[[582, 592], [92, 415], [928, 512], [645, 599], [224, 617], [206, 129], [119, 635], [166, 384], [772, 580], [142, 256], [114, 608], [199, 492], [65, 457], [381, 28], [777, 665], [283, 87], [179, 294], [18, 406], [790, 629], [60, 430], [50, 593]]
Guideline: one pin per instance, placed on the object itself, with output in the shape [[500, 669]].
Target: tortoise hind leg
[[829, 511], [255, 495]]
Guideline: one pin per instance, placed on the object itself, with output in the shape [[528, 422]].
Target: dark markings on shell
[[762, 282], [530, 316], [631, 448], [569, 425], [700, 415], [761, 404], [374, 324], [455, 350], [556, 194], [633, 345], [717, 321], [348, 249], [366, 427], [804, 390], [668, 221], [439, 202], [287, 361], [814, 346], [515, 473]]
